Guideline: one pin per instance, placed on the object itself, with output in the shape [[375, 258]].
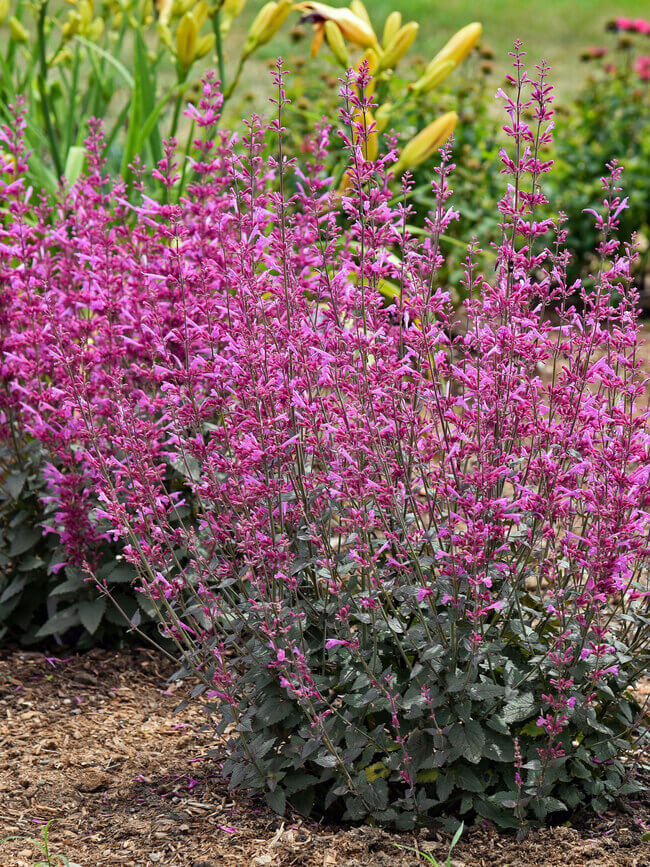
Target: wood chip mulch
[[91, 741]]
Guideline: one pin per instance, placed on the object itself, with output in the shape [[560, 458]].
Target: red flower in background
[[642, 67], [631, 25]]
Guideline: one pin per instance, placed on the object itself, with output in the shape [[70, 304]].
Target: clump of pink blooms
[[356, 468], [642, 67], [631, 25]]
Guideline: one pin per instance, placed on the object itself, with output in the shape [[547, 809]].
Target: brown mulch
[[92, 742]]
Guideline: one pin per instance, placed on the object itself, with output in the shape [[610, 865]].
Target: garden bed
[[93, 743]]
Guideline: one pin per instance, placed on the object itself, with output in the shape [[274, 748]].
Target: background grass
[[555, 30]]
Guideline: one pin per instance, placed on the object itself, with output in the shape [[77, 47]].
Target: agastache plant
[[407, 563]]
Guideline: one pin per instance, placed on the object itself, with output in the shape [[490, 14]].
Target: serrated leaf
[[14, 587], [60, 622], [14, 483], [276, 800], [518, 709], [25, 538], [91, 613]]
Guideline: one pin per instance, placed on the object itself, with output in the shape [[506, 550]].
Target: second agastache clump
[[416, 583]]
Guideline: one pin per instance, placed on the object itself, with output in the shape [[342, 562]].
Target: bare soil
[[92, 742]]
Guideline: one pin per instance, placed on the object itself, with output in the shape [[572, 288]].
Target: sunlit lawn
[[555, 30]]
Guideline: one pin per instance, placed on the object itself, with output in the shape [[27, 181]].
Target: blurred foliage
[[133, 63]]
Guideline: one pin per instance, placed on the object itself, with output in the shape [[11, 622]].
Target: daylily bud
[[17, 31], [187, 37], [164, 34], [371, 144], [337, 43], [392, 25], [229, 11], [200, 13], [354, 28], [426, 142], [4, 10], [95, 29], [460, 45], [435, 73], [360, 11], [233, 8], [204, 45], [400, 45], [266, 24], [383, 116]]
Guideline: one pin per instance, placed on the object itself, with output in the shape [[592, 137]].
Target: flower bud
[[204, 45], [436, 72], [233, 8], [426, 142], [164, 34], [391, 27], [355, 29], [200, 14], [229, 11], [360, 11], [383, 116], [337, 43], [187, 37], [4, 10], [95, 29], [371, 144], [460, 45], [17, 31], [266, 24], [400, 45]]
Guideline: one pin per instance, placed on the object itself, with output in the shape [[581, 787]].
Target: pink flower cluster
[[632, 25], [642, 67], [397, 463]]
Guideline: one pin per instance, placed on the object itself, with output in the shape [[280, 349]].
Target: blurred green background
[[555, 30]]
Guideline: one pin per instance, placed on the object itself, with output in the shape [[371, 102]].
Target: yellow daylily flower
[[460, 44], [337, 43], [360, 11], [266, 24], [383, 116], [434, 74], [354, 28], [427, 141], [391, 26], [17, 30], [400, 44], [187, 37]]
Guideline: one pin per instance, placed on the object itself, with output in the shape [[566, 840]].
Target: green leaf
[[276, 800], [519, 708], [147, 84], [475, 741], [60, 622], [126, 75], [74, 163], [15, 587], [24, 539], [91, 613], [14, 483]]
